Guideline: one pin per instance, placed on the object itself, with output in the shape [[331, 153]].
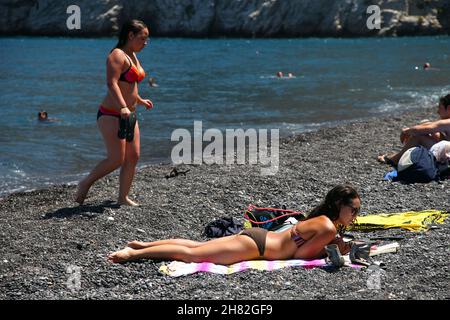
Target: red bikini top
[[133, 73]]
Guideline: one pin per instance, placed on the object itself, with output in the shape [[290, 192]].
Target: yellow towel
[[411, 220]]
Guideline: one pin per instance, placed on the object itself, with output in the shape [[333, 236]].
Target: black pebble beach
[[44, 233]]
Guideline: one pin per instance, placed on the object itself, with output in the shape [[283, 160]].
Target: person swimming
[[152, 82], [281, 75], [42, 116]]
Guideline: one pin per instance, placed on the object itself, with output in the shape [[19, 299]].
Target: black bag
[[222, 227], [269, 218]]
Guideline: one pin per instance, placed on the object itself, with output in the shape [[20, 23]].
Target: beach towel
[[411, 220], [179, 268]]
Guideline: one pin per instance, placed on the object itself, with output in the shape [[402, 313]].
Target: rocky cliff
[[243, 18]]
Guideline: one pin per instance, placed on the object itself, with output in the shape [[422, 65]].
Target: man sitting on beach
[[425, 134]]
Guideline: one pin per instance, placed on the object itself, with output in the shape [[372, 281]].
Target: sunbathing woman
[[305, 240]]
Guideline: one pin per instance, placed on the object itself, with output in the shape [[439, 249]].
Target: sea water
[[225, 83]]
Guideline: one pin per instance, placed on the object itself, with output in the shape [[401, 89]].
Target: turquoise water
[[226, 83]]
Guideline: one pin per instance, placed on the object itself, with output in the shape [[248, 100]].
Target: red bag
[[269, 218]]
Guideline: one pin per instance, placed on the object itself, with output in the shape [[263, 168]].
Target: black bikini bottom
[[100, 113], [258, 235], [126, 126]]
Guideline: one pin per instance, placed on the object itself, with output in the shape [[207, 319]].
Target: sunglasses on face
[[355, 211]]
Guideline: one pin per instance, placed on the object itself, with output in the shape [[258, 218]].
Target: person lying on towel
[[306, 240]]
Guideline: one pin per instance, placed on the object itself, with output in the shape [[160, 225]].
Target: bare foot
[[81, 193], [128, 202], [385, 159], [381, 158], [120, 256], [137, 245]]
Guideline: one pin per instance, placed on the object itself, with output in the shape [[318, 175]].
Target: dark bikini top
[[299, 241], [133, 73]]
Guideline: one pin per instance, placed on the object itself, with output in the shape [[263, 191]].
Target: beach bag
[[222, 227], [270, 218], [417, 164]]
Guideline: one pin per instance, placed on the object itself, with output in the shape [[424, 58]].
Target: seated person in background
[[425, 134], [305, 240]]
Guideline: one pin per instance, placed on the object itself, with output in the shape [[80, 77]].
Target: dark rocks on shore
[[45, 239], [206, 18]]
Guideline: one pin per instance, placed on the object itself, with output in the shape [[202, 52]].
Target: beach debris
[[360, 253], [175, 172], [140, 230], [334, 255], [387, 248], [387, 238], [110, 219]]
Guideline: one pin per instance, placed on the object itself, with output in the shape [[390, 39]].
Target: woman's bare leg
[[237, 248], [115, 149], [180, 242], [132, 153]]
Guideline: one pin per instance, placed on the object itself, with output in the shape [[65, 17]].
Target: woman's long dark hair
[[337, 197], [134, 26]]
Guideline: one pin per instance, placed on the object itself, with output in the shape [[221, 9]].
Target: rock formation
[[240, 18]]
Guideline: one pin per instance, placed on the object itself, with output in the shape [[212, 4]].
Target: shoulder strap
[[286, 213]]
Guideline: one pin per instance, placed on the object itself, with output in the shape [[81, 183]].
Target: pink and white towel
[[179, 268]]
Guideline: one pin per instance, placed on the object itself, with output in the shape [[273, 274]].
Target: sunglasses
[[355, 211]]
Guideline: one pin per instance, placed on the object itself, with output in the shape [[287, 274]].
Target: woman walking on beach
[[116, 117], [305, 240]]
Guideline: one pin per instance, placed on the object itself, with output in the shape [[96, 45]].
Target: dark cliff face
[[249, 18]]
